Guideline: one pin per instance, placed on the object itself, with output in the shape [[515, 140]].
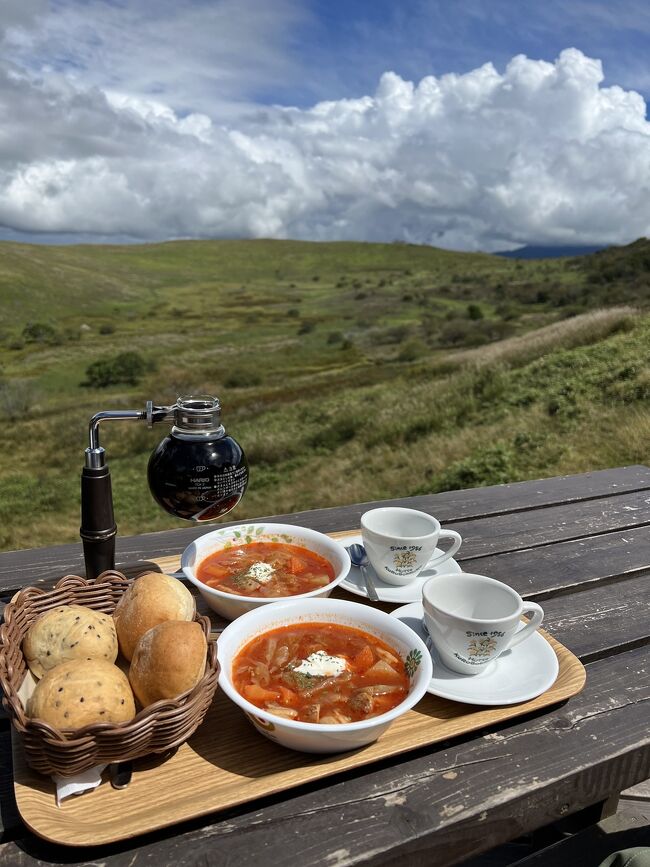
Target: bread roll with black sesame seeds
[[69, 632], [153, 598], [81, 692]]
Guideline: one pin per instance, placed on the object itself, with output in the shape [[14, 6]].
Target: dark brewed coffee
[[200, 480]]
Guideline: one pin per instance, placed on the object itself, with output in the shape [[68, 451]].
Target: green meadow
[[349, 372]]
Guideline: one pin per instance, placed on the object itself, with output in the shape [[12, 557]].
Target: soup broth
[[320, 673], [265, 569]]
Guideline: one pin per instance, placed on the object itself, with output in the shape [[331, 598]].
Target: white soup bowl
[[231, 605], [317, 737]]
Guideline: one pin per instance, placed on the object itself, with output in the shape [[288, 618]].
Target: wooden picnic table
[[580, 545]]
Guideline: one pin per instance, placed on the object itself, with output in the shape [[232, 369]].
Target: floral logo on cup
[[481, 647], [404, 560]]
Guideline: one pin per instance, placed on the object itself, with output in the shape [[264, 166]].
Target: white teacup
[[401, 542], [473, 619]]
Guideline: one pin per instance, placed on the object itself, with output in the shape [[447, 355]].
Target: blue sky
[[475, 124], [356, 41]]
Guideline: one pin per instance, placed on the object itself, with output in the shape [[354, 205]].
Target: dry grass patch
[[566, 334]]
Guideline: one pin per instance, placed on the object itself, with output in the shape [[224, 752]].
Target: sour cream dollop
[[321, 664]]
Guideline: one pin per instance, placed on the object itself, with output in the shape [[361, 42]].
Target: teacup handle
[[533, 624], [457, 541]]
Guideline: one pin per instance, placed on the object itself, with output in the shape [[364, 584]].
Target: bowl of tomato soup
[[322, 675], [237, 569]]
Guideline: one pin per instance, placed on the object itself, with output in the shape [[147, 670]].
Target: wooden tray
[[227, 763]]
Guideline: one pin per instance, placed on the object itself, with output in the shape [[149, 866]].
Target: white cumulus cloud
[[541, 152]]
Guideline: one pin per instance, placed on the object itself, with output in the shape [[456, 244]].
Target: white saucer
[[524, 672], [412, 592]]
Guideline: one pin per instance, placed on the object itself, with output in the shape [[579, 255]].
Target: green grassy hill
[[348, 371]]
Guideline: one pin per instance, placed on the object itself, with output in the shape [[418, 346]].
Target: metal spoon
[[359, 558]]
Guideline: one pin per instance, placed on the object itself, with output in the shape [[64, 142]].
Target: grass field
[[349, 372]]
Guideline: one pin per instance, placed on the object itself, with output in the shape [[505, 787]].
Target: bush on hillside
[[17, 398], [456, 332], [507, 312], [412, 349], [630, 386], [338, 433], [394, 334], [41, 332], [493, 465], [242, 378], [464, 332], [127, 368]]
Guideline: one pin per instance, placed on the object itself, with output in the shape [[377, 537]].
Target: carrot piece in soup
[[296, 566], [256, 693], [364, 659], [288, 697]]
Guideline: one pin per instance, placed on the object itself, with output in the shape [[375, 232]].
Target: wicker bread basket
[[156, 729]]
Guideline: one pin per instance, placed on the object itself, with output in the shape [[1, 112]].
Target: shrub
[[507, 312], [243, 378], [456, 332], [412, 349], [564, 403], [394, 334], [334, 337], [41, 332], [330, 437], [630, 387], [489, 466], [17, 397], [126, 368], [429, 324], [474, 312], [107, 328]]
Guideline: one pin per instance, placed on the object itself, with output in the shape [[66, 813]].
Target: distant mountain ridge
[[541, 252]]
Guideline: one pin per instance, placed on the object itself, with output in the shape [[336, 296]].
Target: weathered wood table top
[[580, 545]]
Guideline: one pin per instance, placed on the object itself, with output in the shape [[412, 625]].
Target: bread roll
[[150, 600], [169, 659], [81, 692], [69, 632]]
